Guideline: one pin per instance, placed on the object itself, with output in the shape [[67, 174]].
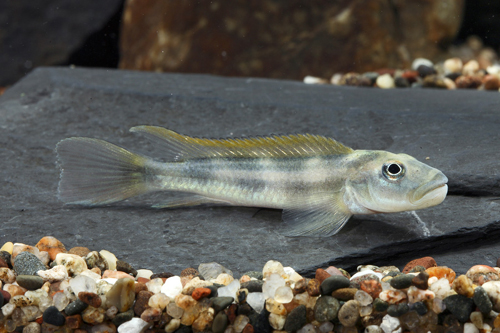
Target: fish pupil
[[394, 169]]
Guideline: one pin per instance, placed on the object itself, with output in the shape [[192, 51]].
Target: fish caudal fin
[[96, 172]]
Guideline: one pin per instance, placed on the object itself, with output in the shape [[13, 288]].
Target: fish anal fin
[[321, 218], [184, 147], [180, 200]]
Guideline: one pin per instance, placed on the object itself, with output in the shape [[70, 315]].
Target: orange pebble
[[143, 280], [371, 287], [116, 274], [321, 275], [52, 245], [199, 293], [441, 272]]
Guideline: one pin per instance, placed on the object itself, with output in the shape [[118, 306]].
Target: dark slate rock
[[482, 300], [123, 317], [326, 308], [54, 103], [30, 282], [52, 316], [254, 274], [460, 306], [253, 286], [220, 303], [402, 281], [296, 319], [396, 310], [220, 322], [333, 283], [75, 307], [46, 34], [27, 263]]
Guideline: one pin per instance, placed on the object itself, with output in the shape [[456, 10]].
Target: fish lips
[[431, 193]]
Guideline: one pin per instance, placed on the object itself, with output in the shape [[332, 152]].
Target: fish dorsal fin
[[183, 147]]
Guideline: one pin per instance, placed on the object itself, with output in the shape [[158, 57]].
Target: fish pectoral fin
[[189, 200], [317, 219]]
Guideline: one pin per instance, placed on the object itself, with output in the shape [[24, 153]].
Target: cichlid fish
[[318, 182]]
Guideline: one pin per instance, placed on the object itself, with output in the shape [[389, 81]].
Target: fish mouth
[[431, 193]]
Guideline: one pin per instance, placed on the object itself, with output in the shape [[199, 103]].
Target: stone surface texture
[[46, 32], [284, 38], [455, 131]]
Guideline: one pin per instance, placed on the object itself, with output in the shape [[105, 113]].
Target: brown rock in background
[[284, 38]]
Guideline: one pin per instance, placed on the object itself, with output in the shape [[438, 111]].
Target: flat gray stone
[[455, 131]]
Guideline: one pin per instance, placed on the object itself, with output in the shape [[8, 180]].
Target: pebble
[[479, 274], [471, 67], [333, 283], [134, 325], [397, 310], [220, 323], [89, 298], [348, 314], [314, 80], [326, 308], [296, 319], [123, 317], [172, 286], [122, 294], [27, 263], [482, 300], [30, 282], [441, 272], [75, 307], [95, 259], [425, 262], [401, 82], [51, 245], [110, 259], [453, 65], [355, 79], [468, 82], [123, 266], [421, 281], [56, 273], [74, 264], [460, 306], [402, 281], [79, 251], [53, 316], [253, 286], [463, 286], [212, 270], [419, 62], [385, 81]]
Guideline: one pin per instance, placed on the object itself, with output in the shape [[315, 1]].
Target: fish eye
[[393, 170]]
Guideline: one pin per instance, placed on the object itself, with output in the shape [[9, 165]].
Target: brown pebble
[[290, 306], [6, 296], [231, 312], [248, 329], [300, 287], [79, 251], [143, 280], [138, 287], [425, 262], [344, 294], [190, 272], [321, 275], [313, 287], [373, 319], [79, 331], [3, 263], [355, 79], [151, 314], [51, 245], [89, 298], [468, 82], [411, 76], [74, 321], [372, 287], [491, 82], [163, 275], [96, 270], [141, 302], [199, 293], [421, 281]]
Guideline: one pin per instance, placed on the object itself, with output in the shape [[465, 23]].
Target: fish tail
[[96, 172]]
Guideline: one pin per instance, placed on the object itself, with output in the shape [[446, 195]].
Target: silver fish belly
[[318, 182]]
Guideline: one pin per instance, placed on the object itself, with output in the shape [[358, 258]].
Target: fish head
[[383, 182]]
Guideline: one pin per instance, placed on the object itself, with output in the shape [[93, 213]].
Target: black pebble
[[123, 317], [213, 291], [75, 307], [420, 308], [333, 283], [401, 281], [261, 323], [220, 303], [396, 310], [424, 70], [482, 300], [53, 316], [401, 82], [460, 306], [296, 319], [125, 267], [184, 329], [253, 286], [244, 309]]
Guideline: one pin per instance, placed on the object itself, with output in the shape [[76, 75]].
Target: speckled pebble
[[460, 306], [326, 308], [482, 300], [27, 263], [53, 316], [75, 307]]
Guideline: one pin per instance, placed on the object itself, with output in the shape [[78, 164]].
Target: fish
[[318, 182]]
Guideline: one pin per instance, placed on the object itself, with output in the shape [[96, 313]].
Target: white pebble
[[385, 81], [419, 295], [492, 288], [272, 267], [229, 290], [273, 282], [363, 298], [145, 273], [373, 329], [309, 328], [471, 67], [172, 287], [82, 283], [314, 80], [74, 263], [438, 305], [159, 301], [7, 309], [60, 301], [453, 65], [283, 294], [224, 279], [326, 327], [276, 321], [494, 69], [135, 325], [470, 328], [256, 301], [421, 61], [441, 288], [93, 275], [110, 259], [366, 310], [366, 272], [155, 285], [390, 324]]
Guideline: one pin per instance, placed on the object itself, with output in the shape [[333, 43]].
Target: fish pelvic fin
[[96, 172], [322, 216], [181, 147]]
